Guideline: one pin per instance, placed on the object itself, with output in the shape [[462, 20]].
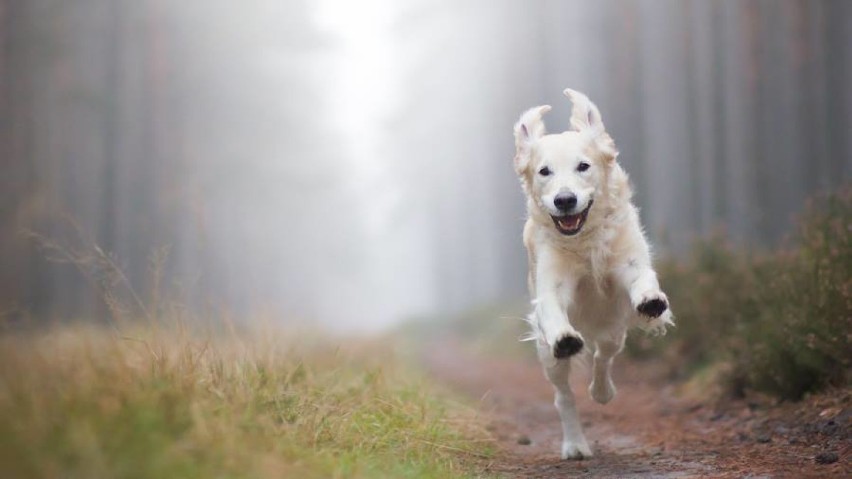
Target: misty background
[[350, 162]]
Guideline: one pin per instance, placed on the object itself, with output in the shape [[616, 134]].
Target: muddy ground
[[648, 430]]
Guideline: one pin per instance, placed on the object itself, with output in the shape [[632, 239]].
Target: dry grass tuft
[[87, 402], [152, 396]]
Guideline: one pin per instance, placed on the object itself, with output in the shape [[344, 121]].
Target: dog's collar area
[[569, 225]]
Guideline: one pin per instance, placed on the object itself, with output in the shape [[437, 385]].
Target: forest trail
[[647, 430]]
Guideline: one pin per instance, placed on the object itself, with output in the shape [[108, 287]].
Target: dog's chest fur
[[597, 301]]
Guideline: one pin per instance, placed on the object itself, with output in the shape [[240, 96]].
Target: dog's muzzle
[[570, 225]]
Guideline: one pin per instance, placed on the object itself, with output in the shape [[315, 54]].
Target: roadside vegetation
[[85, 401], [778, 322], [153, 391]]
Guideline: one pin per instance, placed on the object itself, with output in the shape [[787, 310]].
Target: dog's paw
[[567, 345], [576, 450], [657, 326], [652, 304], [602, 391]]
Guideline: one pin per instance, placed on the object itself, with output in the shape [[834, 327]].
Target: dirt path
[[647, 431]]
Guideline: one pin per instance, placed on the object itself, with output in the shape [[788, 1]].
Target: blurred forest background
[[350, 162]]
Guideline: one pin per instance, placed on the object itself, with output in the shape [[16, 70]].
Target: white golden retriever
[[590, 275]]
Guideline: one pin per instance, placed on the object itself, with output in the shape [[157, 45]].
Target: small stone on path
[[826, 458]]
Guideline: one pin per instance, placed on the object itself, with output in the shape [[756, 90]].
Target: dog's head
[[562, 174]]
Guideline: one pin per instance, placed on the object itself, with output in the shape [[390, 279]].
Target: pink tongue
[[570, 222]]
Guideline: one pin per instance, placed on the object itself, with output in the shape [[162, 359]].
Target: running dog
[[590, 272]]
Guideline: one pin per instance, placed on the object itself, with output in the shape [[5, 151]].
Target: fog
[[349, 163]]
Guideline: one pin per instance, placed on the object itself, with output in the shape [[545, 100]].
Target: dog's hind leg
[[574, 445], [602, 388]]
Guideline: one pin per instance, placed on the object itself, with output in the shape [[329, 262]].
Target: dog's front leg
[[640, 280], [645, 293], [554, 293]]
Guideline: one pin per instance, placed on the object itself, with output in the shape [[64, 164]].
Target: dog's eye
[[583, 166], [544, 171]]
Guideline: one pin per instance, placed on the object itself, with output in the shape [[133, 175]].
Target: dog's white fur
[[588, 287]]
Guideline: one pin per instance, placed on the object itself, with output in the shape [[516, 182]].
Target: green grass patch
[[81, 402]]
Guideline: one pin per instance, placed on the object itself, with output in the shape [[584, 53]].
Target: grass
[[779, 322], [145, 395], [85, 401]]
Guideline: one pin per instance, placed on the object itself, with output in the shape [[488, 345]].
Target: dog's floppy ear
[[528, 129], [586, 118]]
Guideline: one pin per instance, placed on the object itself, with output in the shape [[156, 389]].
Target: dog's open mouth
[[572, 224]]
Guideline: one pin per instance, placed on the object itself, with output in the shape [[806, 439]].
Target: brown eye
[[544, 171], [583, 166]]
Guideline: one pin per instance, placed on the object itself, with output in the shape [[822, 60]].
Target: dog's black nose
[[565, 201]]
